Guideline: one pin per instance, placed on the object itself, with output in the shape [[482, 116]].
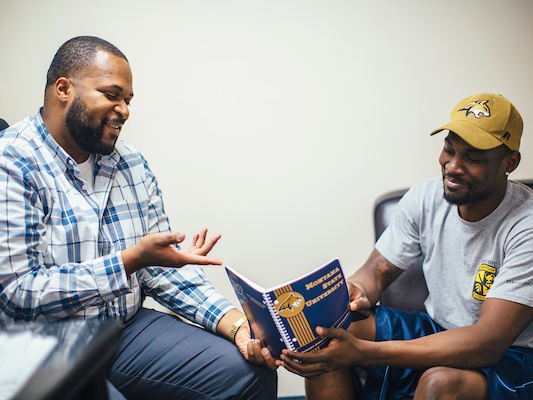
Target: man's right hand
[[158, 249]]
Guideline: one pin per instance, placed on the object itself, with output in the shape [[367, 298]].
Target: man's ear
[[63, 89], [513, 161]]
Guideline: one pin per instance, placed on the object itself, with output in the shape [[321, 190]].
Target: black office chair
[[3, 124], [409, 291]]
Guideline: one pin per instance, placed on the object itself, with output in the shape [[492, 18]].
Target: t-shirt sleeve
[[514, 281], [400, 242]]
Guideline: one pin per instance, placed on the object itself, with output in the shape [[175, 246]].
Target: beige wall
[[277, 122]]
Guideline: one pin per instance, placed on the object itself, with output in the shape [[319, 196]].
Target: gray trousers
[[162, 357]]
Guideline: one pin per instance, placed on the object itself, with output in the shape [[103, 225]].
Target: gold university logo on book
[[289, 304], [484, 279]]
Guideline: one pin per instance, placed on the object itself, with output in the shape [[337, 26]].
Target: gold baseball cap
[[486, 121]]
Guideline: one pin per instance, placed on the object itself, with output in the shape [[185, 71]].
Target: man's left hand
[[252, 350]]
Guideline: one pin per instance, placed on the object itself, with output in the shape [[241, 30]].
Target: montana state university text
[[332, 279]]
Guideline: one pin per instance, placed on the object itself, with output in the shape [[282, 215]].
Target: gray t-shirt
[[465, 262]]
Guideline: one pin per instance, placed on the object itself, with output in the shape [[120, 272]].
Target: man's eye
[[111, 96], [476, 158], [447, 151]]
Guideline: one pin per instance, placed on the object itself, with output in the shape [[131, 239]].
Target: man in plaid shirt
[[85, 235]]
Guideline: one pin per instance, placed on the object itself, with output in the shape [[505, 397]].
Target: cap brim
[[471, 134]]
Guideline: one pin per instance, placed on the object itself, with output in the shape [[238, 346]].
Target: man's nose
[[122, 110]]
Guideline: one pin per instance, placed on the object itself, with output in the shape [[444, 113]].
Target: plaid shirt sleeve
[[60, 243]]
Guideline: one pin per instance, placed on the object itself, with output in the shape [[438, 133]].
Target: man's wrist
[[235, 328]]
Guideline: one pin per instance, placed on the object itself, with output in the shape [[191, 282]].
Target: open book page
[[286, 316]]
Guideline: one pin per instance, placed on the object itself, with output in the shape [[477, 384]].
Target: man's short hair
[[503, 152], [77, 55]]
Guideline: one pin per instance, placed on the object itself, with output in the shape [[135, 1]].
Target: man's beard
[[469, 197], [87, 136]]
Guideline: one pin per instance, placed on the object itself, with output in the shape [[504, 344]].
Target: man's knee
[[451, 383], [264, 385], [436, 382], [338, 385], [247, 380]]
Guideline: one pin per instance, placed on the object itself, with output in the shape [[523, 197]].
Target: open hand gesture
[[159, 249]]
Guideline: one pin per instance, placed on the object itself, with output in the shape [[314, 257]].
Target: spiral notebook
[[286, 316]]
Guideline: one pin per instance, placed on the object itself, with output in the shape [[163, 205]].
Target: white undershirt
[[87, 170]]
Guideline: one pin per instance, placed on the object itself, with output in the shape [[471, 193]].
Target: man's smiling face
[[99, 109]]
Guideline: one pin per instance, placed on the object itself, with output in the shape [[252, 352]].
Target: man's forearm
[[375, 275], [455, 348]]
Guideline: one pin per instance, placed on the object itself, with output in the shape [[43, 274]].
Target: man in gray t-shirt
[[465, 262], [472, 232]]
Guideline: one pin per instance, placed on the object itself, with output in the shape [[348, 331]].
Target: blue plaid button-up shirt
[[61, 241]]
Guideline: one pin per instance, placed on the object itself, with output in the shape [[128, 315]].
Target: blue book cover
[[286, 316]]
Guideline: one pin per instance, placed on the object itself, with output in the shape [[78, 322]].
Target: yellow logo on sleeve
[[484, 279]]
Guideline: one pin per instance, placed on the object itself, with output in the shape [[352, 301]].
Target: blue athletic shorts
[[511, 378]]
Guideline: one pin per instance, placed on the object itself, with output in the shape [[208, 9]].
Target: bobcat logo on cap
[[479, 108]]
